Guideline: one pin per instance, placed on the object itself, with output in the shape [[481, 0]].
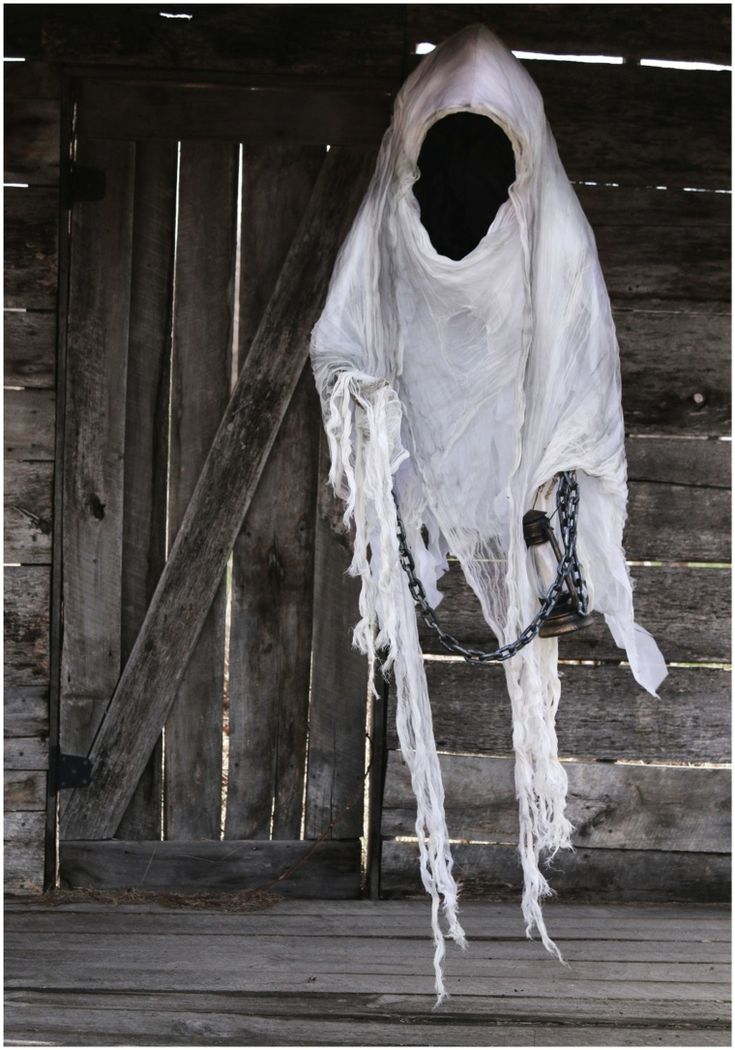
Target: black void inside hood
[[466, 166]]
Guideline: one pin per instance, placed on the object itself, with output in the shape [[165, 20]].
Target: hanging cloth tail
[[540, 778], [363, 427]]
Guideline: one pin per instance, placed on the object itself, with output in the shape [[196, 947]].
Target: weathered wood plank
[[361, 40], [215, 514], [148, 378], [657, 514], [32, 140], [660, 244], [391, 952], [663, 208], [31, 247], [121, 965], [193, 1017], [591, 108], [26, 625], [611, 101], [25, 789], [30, 348], [28, 498], [679, 502], [686, 610], [94, 443], [695, 463], [668, 355], [29, 424], [375, 959], [611, 806], [386, 933], [22, 827], [273, 557], [653, 31], [86, 1018], [201, 371], [146, 429], [341, 41], [678, 916], [25, 710], [603, 713], [669, 929], [29, 79], [332, 870], [586, 874], [262, 113], [28, 753], [660, 330], [24, 852], [277, 184], [380, 956], [354, 1020], [339, 679], [643, 263], [697, 933]]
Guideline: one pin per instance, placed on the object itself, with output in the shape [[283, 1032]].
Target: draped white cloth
[[468, 385]]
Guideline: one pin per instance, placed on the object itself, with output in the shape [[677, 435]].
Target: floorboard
[[352, 973]]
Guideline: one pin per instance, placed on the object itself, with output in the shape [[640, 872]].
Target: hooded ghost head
[[465, 357]]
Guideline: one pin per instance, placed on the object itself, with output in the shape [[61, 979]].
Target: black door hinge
[[84, 184], [68, 771]]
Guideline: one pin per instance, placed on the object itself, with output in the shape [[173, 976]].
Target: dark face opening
[[466, 164]]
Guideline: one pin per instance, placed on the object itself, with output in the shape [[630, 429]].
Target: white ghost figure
[[464, 366]]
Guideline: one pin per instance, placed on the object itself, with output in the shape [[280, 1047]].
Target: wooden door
[[175, 248]]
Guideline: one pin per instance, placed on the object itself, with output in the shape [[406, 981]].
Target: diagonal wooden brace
[[149, 682]]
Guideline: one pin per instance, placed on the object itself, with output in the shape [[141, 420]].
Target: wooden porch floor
[[359, 973]]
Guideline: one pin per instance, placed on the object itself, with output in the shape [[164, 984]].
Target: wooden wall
[[32, 115], [665, 256], [652, 820]]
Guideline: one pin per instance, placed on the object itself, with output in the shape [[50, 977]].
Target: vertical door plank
[[270, 641], [146, 429], [94, 443], [201, 367], [273, 566], [338, 680], [277, 185]]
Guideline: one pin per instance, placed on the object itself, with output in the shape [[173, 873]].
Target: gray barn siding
[[664, 253]]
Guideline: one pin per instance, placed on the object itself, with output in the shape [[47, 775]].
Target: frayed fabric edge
[[363, 425]]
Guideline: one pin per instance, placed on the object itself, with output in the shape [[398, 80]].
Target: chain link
[[567, 502]]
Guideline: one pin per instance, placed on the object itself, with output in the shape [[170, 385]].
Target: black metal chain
[[567, 501]]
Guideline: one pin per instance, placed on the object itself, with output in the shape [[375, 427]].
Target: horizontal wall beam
[[332, 870], [603, 713], [585, 874], [596, 113], [345, 39], [611, 805]]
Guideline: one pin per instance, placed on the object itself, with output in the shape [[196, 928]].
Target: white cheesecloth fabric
[[467, 386]]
